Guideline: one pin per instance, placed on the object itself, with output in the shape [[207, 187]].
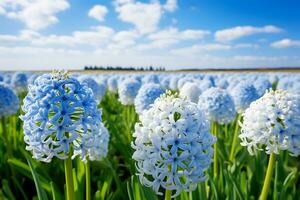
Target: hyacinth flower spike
[[219, 107], [61, 120], [191, 91], [172, 146], [271, 124], [146, 96]]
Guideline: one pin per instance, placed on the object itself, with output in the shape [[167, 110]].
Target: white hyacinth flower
[[172, 145], [272, 123]]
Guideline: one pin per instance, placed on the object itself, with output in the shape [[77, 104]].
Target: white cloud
[[246, 45], [234, 33], [173, 33], [9, 38], [29, 34], [126, 35], [122, 40], [2, 11], [200, 48], [168, 37], [36, 14], [29, 50], [171, 5], [25, 35], [157, 44], [102, 35], [285, 43], [144, 16], [107, 37], [120, 2], [98, 12], [248, 58], [98, 36]]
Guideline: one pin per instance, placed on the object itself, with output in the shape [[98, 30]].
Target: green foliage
[[115, 177]]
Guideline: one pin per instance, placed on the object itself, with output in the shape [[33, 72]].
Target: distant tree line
[[150, 68]]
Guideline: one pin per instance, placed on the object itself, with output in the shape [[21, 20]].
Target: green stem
[[14, 131], [235, 137], [215, 132], [226, 130], [69, 179], [168, 194], [268, 178], [128, 123], [275, 181], [88, 180]]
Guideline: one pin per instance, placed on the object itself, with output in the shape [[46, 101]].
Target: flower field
[[148, 136]]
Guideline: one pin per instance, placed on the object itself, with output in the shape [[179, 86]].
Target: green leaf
[[56, 195], [213, 187], [7, 191], [40, 191], [104, 190], [137, 192], [24, 169], [129, 191], [76, 188], [236, 187]]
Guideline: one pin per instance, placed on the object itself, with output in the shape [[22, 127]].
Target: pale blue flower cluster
[[127, 90], [243, 94], [173, 82], [218, 105], [19, 82], [102, 85], [190, 91], [92, 148], [222, 83], [9, 101], [272, 123], [61, 119], [7, 78], [146, 96], [151, 78], [290, 83], [32, 78], [262, 85], [165, 82], [91, 83], [112, 84], [183, 81], [205, 84], [172, 145]]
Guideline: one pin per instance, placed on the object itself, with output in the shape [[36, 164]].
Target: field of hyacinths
[[142, 136]]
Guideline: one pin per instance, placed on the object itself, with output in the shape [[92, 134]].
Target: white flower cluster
[[191, 91], [218, 105], [172, 145], [273, 123], [127, 90]]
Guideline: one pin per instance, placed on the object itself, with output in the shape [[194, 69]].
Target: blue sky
[[47, 34]]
